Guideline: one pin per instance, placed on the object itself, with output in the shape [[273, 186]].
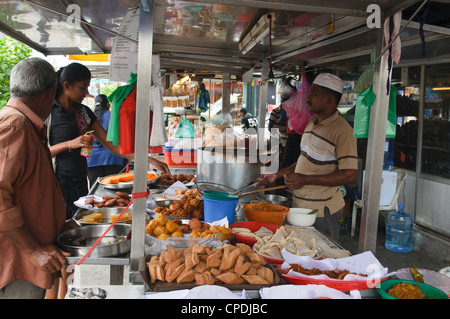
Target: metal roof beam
[[294, 5]]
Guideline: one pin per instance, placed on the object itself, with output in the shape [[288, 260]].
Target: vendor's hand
[[295, 181], [82, 141], [163, 167], [48, 259], [266, 179]]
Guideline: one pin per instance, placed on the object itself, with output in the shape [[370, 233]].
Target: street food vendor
[[328, 157]]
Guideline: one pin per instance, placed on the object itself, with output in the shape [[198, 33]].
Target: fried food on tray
[[200, 265], [332, 274], [162, 228], [190, 205], [165, 179], [204, 230], [120, 200]]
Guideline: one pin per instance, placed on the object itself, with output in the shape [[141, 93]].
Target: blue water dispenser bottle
[[399, 231]]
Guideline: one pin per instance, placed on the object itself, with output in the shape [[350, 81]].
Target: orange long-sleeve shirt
[[29, 192]]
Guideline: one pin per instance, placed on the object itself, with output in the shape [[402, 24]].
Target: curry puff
[[205, 265]]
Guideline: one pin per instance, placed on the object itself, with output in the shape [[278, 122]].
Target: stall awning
[[204, 36]]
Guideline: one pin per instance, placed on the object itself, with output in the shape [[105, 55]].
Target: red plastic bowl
[[253, 226], [341, 285]]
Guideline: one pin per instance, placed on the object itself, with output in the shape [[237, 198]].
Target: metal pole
[[263, 94], [226, 89], [141, 136], [375, 153]]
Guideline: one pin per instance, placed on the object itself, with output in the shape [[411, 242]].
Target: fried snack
[[230, 278], [332, 274], [266, 274], [230, 255], [195, 224], [204, 278], [184, 228], [172, 275], [241, 267], [201, 265], [191, 260], [171, 226], [190, 205], [161, 220], [163, 236], [177, 233], [255, 280], [214, 260]]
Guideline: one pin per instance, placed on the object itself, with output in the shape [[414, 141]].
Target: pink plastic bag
[[297, 109]]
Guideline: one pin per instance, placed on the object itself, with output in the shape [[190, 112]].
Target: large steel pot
[[224, 168]]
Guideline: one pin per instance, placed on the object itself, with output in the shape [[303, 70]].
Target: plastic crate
[[174, 156]]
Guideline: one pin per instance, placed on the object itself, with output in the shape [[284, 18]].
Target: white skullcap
[[329, 81]]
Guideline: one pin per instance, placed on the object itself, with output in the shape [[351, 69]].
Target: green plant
[[11, 52]]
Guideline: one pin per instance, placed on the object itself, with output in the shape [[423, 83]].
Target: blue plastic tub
[[217, 209]]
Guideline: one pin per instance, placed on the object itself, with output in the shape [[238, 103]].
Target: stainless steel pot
[[226, 169], [273, 199], [78, 241]]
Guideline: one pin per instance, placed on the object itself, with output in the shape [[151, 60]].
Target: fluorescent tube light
[[257, 33]]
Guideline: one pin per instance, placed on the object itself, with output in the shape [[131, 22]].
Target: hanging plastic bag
[[203, 98], [366, 78], [297, 109], [116, 98], [362, 113], [185, 130], [128, 123]]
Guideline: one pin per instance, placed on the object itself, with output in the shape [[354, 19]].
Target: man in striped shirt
[[328, 157]]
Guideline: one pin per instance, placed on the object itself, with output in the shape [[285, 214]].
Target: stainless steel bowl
[[273, 199], [78, 241], [106, 212]]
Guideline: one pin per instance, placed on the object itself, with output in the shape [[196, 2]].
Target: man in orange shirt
[[32, 209]]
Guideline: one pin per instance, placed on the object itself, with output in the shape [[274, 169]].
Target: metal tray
[[106, 212], [78, 241], [125, 185]]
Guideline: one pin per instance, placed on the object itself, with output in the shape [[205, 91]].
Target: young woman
[[69, 121]]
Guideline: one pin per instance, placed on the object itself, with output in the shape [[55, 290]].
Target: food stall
[[206, 37]]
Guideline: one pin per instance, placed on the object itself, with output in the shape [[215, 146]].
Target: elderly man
[[32, 209], [328, 157]]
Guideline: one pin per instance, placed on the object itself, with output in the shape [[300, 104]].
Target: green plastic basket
[[429, 291]]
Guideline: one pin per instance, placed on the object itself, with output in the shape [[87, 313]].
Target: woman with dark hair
[[69, 121], [103, 162]]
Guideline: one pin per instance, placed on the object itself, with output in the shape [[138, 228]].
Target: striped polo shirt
[[326, 147]]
